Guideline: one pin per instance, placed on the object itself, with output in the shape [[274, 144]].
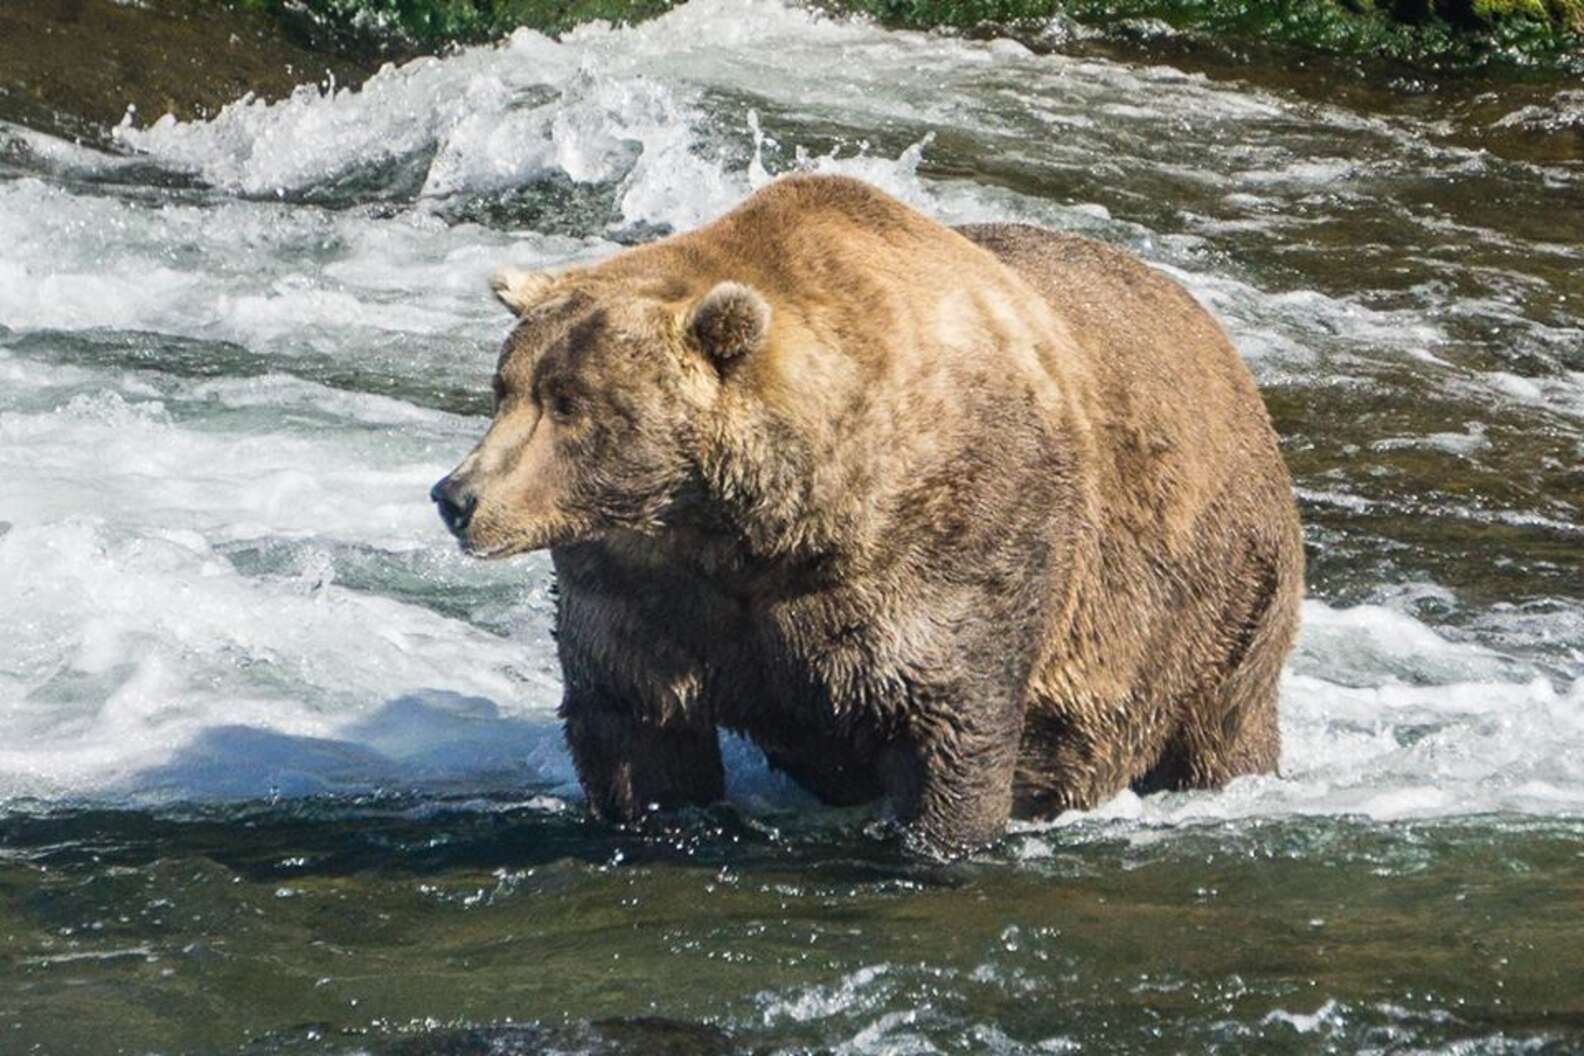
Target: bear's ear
[[518, 289], [730, 320]]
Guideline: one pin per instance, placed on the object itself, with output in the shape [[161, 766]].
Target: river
[[279, 767]]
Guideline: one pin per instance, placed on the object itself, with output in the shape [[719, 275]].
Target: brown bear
[[990, 522]]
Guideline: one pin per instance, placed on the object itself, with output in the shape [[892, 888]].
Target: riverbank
[[1456, 35], [79, 67], [1430, 36]]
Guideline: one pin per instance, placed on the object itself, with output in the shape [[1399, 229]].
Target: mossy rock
[[74, 67]]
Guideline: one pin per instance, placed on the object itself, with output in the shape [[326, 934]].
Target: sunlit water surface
[[279, 769]]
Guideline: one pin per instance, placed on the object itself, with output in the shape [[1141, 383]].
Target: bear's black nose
[[456, 503]]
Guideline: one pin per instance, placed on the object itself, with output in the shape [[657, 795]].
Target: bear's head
[[603, 392]]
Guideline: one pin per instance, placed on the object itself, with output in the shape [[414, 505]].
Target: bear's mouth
[[561, 532], [498, 550]]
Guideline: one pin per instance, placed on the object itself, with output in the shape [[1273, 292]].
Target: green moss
[[1569, 14], [426, 24], [1492, 10], [1566, 14]]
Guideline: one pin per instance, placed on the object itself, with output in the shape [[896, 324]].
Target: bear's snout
[[456, 503]]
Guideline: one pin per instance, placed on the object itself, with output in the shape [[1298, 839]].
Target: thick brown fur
[[988, 522]]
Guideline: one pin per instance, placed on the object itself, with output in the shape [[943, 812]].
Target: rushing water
[[279, 769]]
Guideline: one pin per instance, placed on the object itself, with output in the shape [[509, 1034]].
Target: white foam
[[1328, 1018], [141, 660], [1562, 392], [102, 455], [258, 274], [1564, 111], [144, 664]]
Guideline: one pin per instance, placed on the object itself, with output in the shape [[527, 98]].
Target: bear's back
[[1174, 411], [853, 273]]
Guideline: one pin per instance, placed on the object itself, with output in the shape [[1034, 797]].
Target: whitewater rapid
[[234, 357]]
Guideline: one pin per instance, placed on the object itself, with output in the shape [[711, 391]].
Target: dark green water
[[499, 927], [280, 771]]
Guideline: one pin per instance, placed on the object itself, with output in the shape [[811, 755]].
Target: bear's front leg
[[629, 764], [949, 776]]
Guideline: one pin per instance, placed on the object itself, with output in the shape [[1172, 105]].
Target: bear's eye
[[563, 405]]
